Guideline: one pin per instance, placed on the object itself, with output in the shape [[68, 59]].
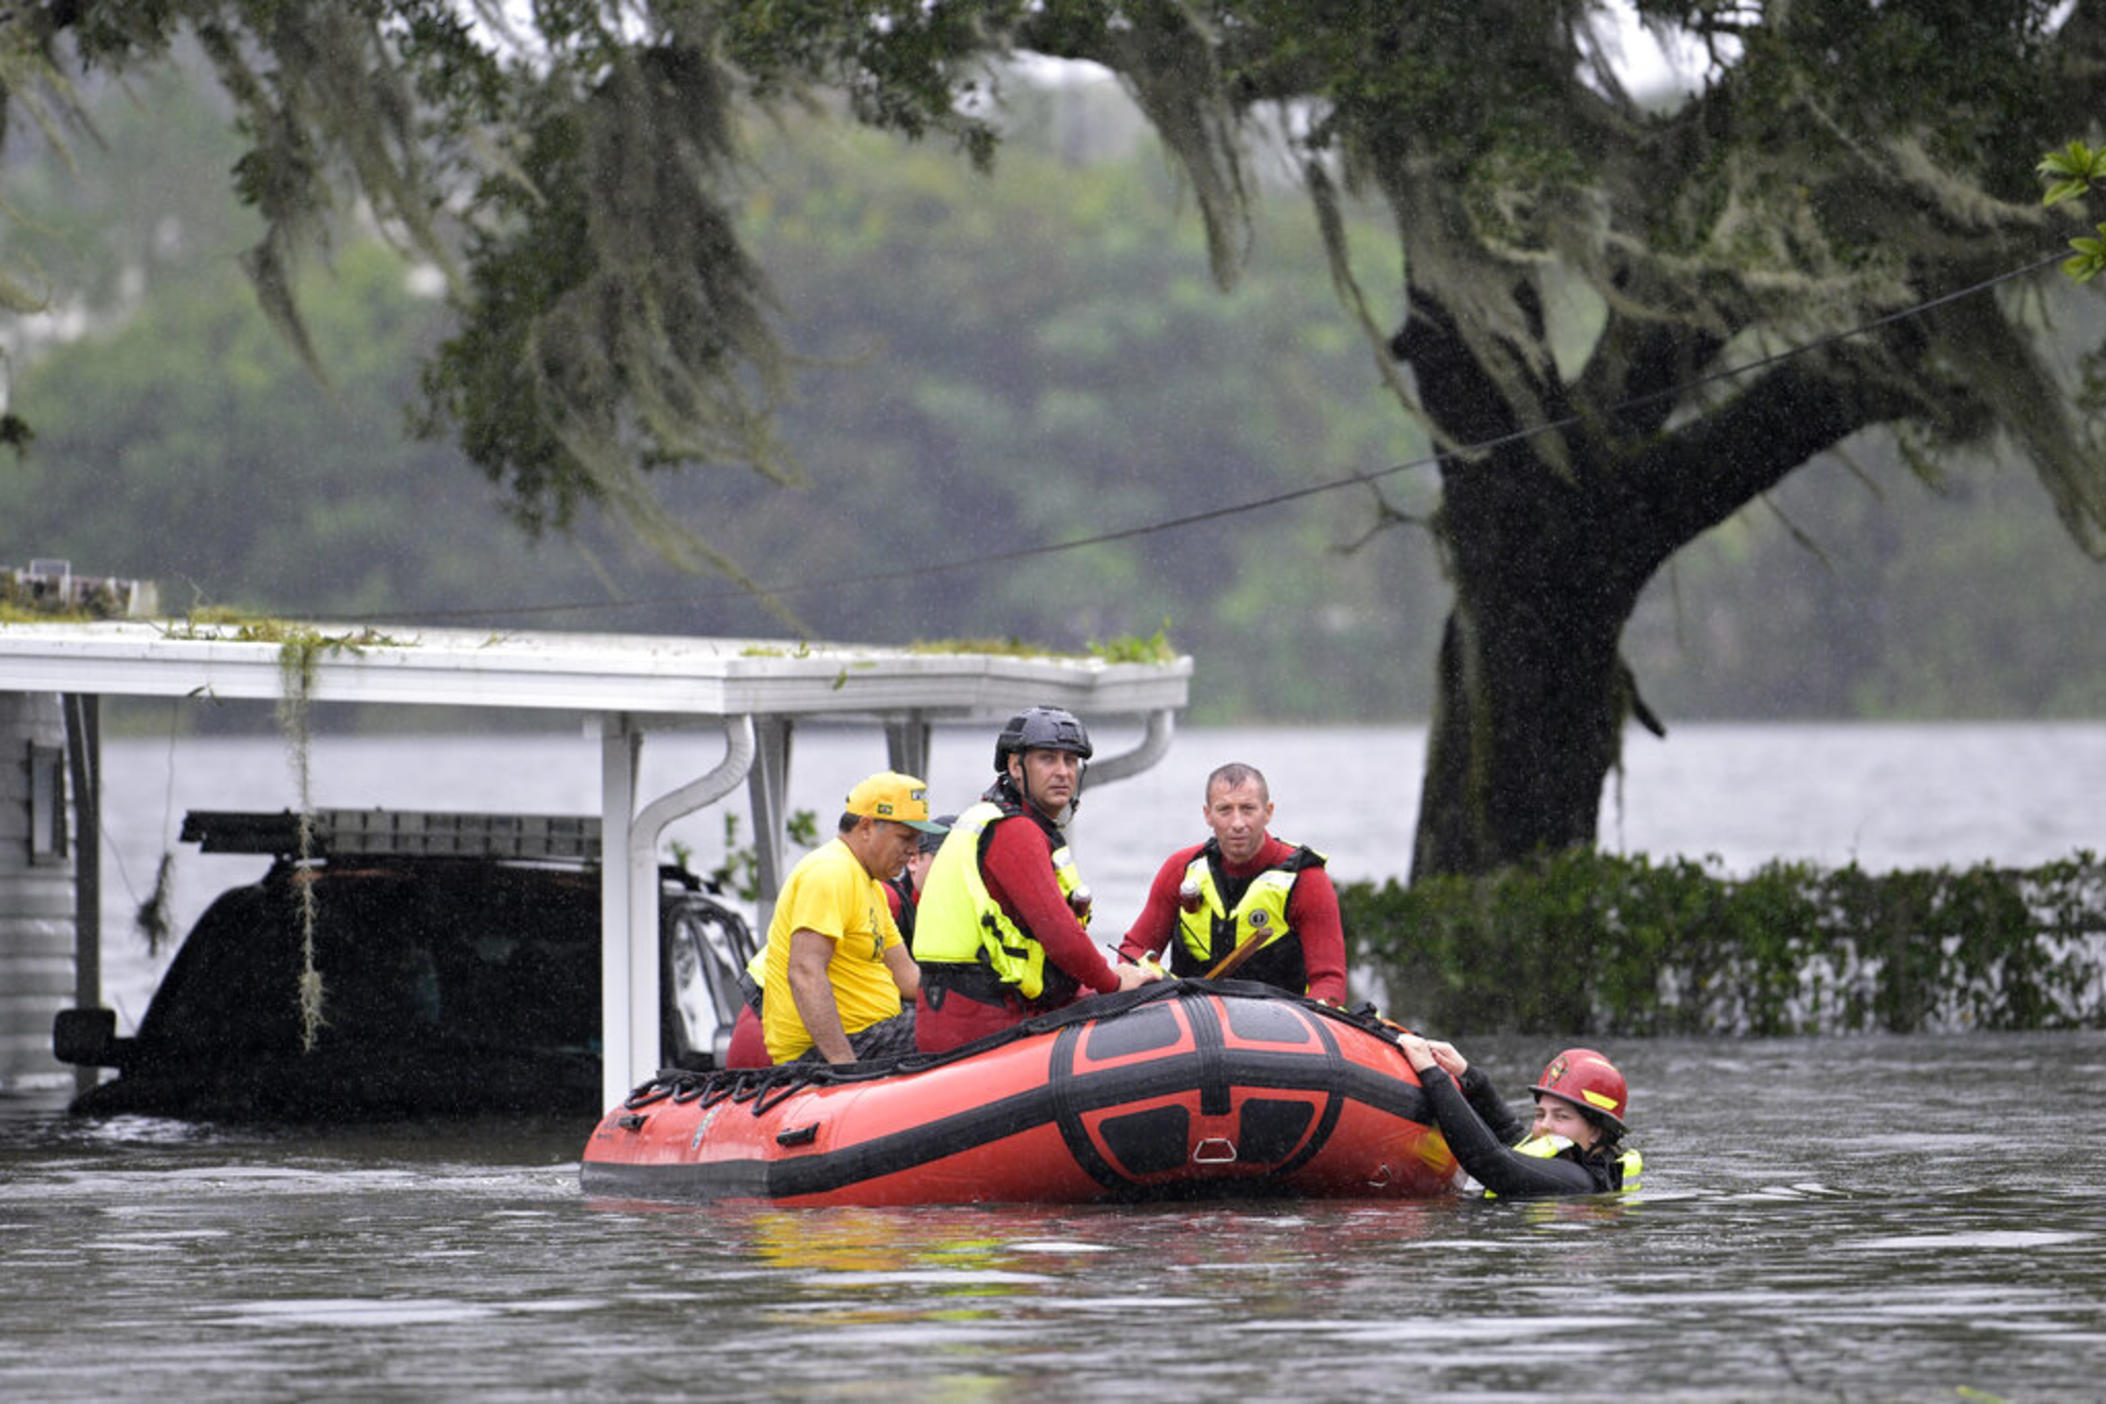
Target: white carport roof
[[756, 689]]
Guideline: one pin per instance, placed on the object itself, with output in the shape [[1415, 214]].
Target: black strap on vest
[[904, 886], [941, 979]]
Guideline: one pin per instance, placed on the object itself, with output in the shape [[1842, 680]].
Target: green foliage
[[1012, 647], [996, 365], [988, 363], [739, 871], [1586, 944], [1132, 648], [1856, 591], [146, 199], [985, 363], [2070, 173], [573, 170], [615, 323], [23, 601]]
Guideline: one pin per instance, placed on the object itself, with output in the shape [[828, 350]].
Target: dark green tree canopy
[[573, 175], [1593, 284]]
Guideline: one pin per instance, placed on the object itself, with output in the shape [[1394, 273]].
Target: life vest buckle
[[1214, 1150]]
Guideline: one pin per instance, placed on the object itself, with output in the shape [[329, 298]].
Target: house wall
[[36, 890]]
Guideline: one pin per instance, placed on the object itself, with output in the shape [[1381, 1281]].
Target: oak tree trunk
[[1550, 541]]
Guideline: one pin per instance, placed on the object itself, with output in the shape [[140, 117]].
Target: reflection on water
[[1823, 1219]]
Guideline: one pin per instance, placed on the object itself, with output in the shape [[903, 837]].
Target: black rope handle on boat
[[644, 1096], [763, 1089]]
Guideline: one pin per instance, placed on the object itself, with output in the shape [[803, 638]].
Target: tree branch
[[1703, 473]]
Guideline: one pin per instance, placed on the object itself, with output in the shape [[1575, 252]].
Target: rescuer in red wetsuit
[[1001, 932], [1243, 887], [749, 1046]]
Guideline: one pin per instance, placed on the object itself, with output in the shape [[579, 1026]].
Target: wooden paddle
[[1227, 964]]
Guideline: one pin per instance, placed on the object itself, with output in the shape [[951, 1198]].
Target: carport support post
[[83, 712], [767, 795], [619, 1064], [631, 965], [907, 745], [646, 962]]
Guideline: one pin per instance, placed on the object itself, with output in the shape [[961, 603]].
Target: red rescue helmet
[[1588, 1081]]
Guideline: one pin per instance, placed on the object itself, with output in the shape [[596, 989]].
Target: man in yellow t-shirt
[[837, 970]]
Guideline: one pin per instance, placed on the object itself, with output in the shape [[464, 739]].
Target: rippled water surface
[[1822, 1219]]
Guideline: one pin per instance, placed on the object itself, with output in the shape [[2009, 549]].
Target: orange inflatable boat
[[1178, 1090]]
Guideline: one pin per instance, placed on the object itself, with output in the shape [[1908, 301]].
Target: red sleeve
[[1312, 914], [892, 900], [1157, 923], [1018, 866]]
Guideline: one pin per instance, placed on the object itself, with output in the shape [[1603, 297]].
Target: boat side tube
[[1177, 1090]]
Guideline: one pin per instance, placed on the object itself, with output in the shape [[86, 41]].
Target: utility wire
[[929, 569]]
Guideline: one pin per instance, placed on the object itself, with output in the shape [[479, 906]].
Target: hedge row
[[1595, 944]]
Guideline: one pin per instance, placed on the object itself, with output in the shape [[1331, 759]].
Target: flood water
[[1821, 1219]]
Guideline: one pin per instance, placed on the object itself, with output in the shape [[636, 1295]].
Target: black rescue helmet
[[931, 842], [1041, 729]]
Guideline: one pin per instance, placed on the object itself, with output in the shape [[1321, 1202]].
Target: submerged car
[[459, 965]]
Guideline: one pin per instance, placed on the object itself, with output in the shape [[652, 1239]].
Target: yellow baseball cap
[[899, 798]]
